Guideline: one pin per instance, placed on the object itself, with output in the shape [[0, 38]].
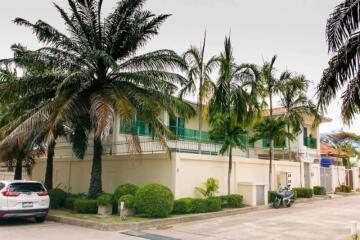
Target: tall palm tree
[[199, 72], [293, 98], [343, 37], [274, 129], [105, 77], [226, 128], [234, 106]]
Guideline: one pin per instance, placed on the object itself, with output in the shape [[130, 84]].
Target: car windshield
[[26, 187]]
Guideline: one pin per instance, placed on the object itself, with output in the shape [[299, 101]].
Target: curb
[[150, 223]]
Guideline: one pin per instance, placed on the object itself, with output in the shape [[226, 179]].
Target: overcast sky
[[292, 29]]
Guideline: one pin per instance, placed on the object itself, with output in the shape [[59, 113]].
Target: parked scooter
[[284, 196]]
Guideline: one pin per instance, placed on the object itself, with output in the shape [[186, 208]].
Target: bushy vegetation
[[104, 199], [343, 188], [154, 200], [69, 203], [319, 190], [125, 189], [271, 196], [197, 205], [57, 198], [303, 192], [231, 201], [210, 188], [129, 201], [86, 206]]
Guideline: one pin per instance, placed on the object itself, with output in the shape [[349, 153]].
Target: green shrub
[[104, 199], [88, 206], [319, 190], [198, 205], [343, 188], [231, 201], [57, 198], [128, 200], [154, 200], [210, 188], [69, 203], [271, 196], [213, 204], [125, 189], [303, 192], [182, 205]]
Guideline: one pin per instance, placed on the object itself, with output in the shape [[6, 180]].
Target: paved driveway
[[319, 220], [328, 219]]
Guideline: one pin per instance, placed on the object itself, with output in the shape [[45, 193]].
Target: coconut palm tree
[[105, 77], [274, 129], [343, 37], [292, 92], [199, 71], [234, 105]]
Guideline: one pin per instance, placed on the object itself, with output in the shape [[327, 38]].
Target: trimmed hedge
[[57, 198], [129, 201], [154, 200], [182, 205], [125, 189], [343, 188], [88, 206], [69, 203], [319, 190], [231, 201], [104, 199], [197, 205], [303, 192], [271, 196]]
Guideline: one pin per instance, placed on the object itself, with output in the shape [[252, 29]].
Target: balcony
[[277, 144], [310, 142]]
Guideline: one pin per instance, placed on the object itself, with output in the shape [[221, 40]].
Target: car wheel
[[40, 219]]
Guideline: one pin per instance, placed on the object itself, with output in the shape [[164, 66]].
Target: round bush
[[319, 190], [57, 198], [88, 206], [104, 200], [125, 189], [154, 200], [129, 201], [303, 192]]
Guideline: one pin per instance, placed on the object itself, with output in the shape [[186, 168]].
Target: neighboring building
[[180, 166]]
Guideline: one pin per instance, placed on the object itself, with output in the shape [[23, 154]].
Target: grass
[[113, 219]]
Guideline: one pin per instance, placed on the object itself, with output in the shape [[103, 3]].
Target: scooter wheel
[[276, 203], [289, 204]]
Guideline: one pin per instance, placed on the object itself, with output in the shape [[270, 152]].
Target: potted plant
[[126, 205], [104, 202]]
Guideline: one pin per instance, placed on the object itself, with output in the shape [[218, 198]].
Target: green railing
[[189, 134], [277, 144], [310, 142]]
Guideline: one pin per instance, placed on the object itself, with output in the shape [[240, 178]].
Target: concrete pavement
[[320, 220]]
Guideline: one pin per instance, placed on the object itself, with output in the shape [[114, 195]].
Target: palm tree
[[234, 105], [227, 130], [105, 77], [343, 38], [274, 129], [293, 98], [199, 70]]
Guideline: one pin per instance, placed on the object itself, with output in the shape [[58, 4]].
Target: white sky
[[292, 29]]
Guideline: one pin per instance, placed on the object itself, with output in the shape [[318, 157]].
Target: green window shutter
[[181, 127]]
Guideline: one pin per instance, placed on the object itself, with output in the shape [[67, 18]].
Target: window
[[26, 187], [177, 126]]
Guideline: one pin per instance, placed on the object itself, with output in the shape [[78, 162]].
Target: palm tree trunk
[[18, 169], [95, 180], [289, 142], [229, 171], [50, 165], [271, 153], [271, 105], [200, 123]]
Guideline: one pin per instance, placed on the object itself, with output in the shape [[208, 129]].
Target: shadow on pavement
[[17, 222]]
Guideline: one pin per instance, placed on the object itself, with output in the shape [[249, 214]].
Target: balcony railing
[[310, 142]]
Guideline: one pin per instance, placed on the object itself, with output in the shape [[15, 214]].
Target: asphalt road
[[328, 219]]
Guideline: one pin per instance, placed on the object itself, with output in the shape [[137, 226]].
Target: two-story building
[[182, 166]]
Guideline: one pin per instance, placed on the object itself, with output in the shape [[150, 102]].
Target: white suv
[[23, 199]]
